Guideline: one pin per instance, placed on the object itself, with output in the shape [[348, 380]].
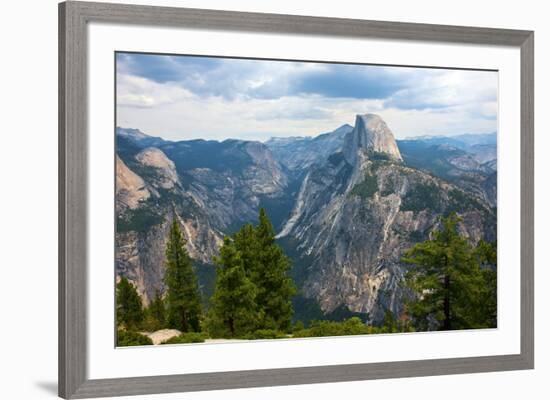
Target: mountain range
[[346, 205]]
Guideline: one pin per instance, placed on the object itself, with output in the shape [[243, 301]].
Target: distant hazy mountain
[[461, 141], [463, 160], [346, 205], [299, 153]]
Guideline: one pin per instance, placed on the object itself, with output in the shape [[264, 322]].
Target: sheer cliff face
[[370, 135], [209, 191], [357, 214], [146, 205], [349, 203], [140, 254], [130, 188]]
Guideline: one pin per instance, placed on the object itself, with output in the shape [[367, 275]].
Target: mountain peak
[[138, 137], [370, 134]]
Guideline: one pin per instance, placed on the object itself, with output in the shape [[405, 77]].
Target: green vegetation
[[460, 201], [155, 314], [416, 236], [129, 310], [424, 196], [183, 303], [307, 310], [454, 283], [265, 334], [354, 326], [253, 289], [389, 186], [233, 311], [379, 156], [270, 275], [367, 188], [188, 337], [138, 220], [206, 277], [131, 338], [252, 295], [430, 158]]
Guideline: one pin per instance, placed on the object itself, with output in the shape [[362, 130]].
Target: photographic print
[[270, 199]]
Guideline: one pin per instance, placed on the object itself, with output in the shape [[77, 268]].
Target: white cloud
[[134, 91], [436, 102]]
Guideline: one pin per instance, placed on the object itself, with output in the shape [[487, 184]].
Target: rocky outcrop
[[264, 175], [146, 207], [209, 196], [354, 220], [130, 187], [140, 254], [371, 135], [162, 335], [165, 169], [348, 204]]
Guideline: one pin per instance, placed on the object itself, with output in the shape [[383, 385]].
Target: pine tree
[[183, 303], [486, 256], [233, 310], [448, 282], [129, 310], [246, 242], [270, 275], [389, 325], [157, 310]]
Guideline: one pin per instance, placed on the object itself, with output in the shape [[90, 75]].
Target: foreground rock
[[163, 335]]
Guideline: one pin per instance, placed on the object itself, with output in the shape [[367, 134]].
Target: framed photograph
[[253, 200]]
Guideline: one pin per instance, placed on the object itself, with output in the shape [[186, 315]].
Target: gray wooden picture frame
[[73, 172]]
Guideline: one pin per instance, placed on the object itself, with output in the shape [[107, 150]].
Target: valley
[[345, 205]]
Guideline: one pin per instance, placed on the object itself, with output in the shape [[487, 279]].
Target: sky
[[189, 97]]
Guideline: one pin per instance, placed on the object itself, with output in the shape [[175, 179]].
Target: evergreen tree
[[448, 281], [183, 303], [486, 256], [233, 310], [157, 311], [390, 324], [129, 310], [270, 275], [246, 242]]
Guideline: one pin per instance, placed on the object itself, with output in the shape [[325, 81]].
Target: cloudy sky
[[184, 97]]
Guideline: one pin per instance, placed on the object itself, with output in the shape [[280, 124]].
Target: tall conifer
[[129, 310], [183, 303], [233, 310], [270, 275], [157, 310], [449, 282]]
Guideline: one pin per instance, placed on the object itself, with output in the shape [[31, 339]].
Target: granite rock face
[[349, 202], [209, 188], [130, 187], [370, 134], [357, 214], [164, 167]]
